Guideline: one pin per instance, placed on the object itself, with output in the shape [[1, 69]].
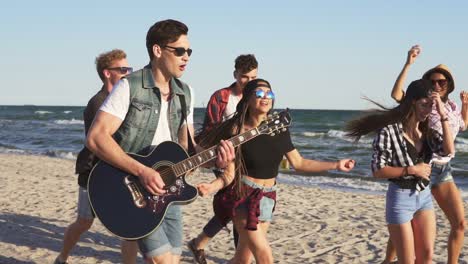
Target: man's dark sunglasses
[[179, 51], [122, 70]]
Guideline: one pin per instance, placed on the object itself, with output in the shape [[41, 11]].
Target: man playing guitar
[[147, 108]]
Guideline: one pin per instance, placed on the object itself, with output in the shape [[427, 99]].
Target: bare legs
[[390, 253], [76, 229], [129, 250], [72, 235], [449, 199], [251, 242], [167, 258], [201, 240], [415, 239]]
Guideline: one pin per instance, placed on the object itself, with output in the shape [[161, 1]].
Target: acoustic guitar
[[129, 211]]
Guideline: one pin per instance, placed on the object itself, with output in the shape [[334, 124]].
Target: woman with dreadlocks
[[249, 183]]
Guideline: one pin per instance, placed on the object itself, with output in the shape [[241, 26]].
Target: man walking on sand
[[145, 109], [111, 67]]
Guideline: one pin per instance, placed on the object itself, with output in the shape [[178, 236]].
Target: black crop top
[[424, 155], [263, 154]]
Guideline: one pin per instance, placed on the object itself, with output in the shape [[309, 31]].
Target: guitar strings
[[173, 170]]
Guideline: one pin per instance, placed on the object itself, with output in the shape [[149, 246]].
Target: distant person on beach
[[222, 106], [403, 149], [146, 108], [111, 67], [249, 183], [443, 187]]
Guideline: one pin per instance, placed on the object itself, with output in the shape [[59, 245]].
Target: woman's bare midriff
[[263, 182]]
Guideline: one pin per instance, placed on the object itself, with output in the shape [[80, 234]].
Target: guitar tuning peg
[[275, 113], [284, 129], [272, 134]]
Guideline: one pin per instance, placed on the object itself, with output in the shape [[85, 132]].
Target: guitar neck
[[209, 154]]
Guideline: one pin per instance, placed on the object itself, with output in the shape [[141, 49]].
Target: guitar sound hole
[[167, 175]]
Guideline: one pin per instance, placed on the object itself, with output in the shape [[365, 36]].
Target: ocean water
[[58, 131]]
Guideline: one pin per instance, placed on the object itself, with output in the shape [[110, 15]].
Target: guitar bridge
[[135, 191]]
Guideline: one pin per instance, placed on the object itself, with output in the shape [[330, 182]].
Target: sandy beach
[[311, 225]]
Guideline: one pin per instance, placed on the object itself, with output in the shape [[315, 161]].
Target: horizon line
[[199, 107]]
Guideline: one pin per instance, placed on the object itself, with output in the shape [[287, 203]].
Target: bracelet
[[218, 172], [405, 171], [219, 169], [444, 119]]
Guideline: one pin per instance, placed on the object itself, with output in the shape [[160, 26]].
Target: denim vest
[[137, 130]]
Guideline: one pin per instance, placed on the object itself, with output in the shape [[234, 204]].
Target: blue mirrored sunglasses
[[262, 94]]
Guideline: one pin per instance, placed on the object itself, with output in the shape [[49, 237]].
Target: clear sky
[[316, 54]]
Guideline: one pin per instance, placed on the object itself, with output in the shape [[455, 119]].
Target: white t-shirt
[[233, 100], [118, 102]]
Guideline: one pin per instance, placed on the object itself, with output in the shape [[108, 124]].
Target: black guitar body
[[124, 206]]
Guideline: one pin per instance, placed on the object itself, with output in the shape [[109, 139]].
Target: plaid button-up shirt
[[454, 116], [390, 150], [455, 120]]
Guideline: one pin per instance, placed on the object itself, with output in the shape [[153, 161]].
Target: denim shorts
[[266, 204], [402, 204], [167, 237], [84, 207], [441, 173]]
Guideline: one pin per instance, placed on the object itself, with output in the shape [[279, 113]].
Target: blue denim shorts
[[402, 204], [168, 236], [441, 173], [266, 204], [84, 207]]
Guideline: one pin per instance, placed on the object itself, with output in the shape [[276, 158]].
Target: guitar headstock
[[275, 123]]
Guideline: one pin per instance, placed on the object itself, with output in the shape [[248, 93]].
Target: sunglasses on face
[[266, 95], [122, 70], [441, 82], [179, 51]]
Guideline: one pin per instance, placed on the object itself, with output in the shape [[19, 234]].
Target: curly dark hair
[[245, 63]]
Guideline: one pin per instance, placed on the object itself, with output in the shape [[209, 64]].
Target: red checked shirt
[[225, 204], [216, 107]]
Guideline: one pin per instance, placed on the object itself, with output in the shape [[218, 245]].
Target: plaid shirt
[[216, 107], [454, 118], [390, 150]]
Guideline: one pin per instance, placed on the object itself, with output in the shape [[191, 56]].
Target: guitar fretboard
[[209, 154]]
